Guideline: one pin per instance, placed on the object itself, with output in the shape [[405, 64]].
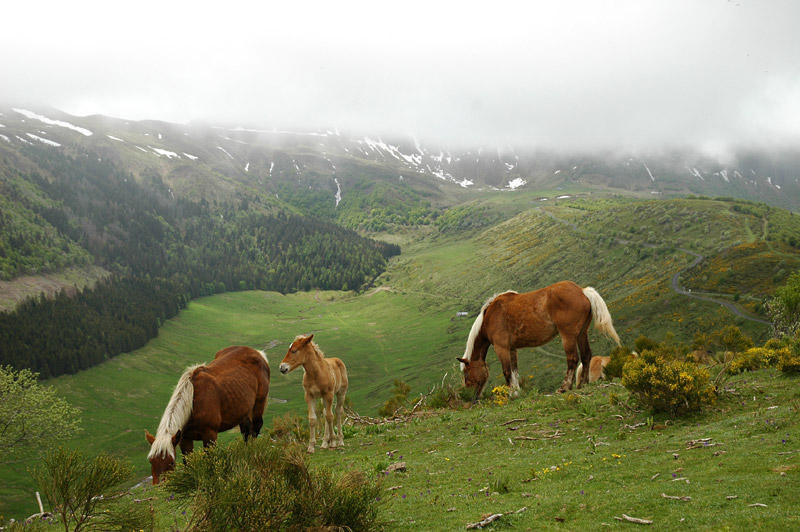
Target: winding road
[[675, 285], [730, 306]]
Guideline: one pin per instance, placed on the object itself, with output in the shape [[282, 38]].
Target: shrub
[[80, 492], [755, 358], [620, 356], [398, 401], [289, 428], [257, 485], [789, 358], [664, 384], [501, 395]]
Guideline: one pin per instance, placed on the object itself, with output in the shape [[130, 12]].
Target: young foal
[[597, 369], [324, 377]]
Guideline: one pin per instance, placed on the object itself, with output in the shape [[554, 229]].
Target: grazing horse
[[510, 321], [597, 369], [229, 391], [323, 377]]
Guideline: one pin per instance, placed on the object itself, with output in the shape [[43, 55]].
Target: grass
[[577, 462], [411, 331]]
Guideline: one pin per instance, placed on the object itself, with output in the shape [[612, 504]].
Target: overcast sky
[[564, 74]]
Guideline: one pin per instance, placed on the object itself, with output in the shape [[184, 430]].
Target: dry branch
[[493, 517], [518, 420], [633, 520], [676, 497]]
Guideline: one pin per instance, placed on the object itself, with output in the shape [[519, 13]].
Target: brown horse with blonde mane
[[324, 378], [229, 391], [510, 321]]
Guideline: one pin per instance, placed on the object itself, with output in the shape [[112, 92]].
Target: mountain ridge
[[262, 160]]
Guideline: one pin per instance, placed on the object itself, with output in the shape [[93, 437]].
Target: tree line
[[162, 251]]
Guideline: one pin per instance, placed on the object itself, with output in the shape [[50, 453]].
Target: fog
[[712, 74]]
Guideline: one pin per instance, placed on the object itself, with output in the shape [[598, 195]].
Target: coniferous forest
[[161, 251]]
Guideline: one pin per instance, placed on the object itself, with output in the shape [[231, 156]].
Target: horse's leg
[[570, 343], [586, 356], [187, 446], [245, 427], [312, 423], [327, 439], [508, 358], [339, 417]]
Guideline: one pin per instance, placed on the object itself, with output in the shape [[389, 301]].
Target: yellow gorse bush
[[664, 384], [501, 395]]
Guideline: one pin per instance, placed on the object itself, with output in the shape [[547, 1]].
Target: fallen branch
[[757, 505], [482, 523], [702, 442], [676, 497], [513, 421], [494, 517], [633, 520]]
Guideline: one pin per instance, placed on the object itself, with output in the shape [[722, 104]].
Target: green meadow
[[405, 327]]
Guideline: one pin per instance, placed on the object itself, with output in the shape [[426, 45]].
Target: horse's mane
[[314, 345], [177, 413], [476, 327]]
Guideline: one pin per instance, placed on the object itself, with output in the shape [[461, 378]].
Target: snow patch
[[695, 172], [247, 167], [168, 154], [60, 123], [44, 141], [338, 191], [114, 138], [225, 151], [516, 183], [190, 156], [5, 138], [649, 172]]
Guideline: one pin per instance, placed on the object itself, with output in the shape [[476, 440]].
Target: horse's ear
[[308, 338], [463, 361], [176, 439], [150, 437]]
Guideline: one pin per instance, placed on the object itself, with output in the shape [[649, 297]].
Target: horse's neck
[[314, 363]]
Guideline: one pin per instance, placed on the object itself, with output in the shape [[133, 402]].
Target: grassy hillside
[[408, 328]]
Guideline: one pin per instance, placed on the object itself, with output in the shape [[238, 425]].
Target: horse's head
[[161, 459], [476, 375], [296, 355]]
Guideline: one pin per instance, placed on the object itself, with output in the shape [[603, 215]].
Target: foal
[[324, 377]]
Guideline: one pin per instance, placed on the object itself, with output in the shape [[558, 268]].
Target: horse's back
[[340, 373]]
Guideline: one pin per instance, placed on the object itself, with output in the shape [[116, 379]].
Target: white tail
[[602, 318]]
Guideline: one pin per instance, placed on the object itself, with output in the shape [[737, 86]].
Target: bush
[[79, 490], [257, 485], [789, 359], [665, 384], [620, 356], [398, 401], [755, 358], [289, 428]]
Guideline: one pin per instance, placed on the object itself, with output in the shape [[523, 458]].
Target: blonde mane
[[177, 413], [476, 327]]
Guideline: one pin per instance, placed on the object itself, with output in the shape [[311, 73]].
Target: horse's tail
[[176, 415], [602, 318]]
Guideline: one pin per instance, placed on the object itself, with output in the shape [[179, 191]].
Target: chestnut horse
[[510, 321], [597, 369], [323, 377], [208, 399]]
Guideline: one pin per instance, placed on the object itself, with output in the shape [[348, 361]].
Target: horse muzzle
[[284, 368]]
